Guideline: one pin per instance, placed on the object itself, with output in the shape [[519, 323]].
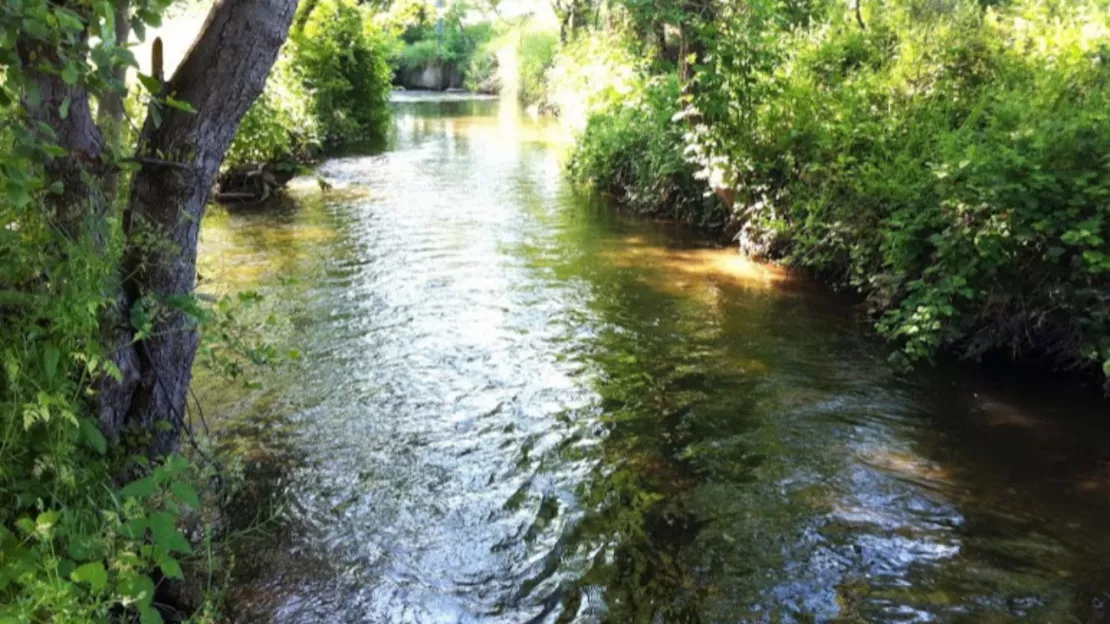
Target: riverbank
[[955, 183]]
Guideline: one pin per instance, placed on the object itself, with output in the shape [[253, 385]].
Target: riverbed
[[513, 404]]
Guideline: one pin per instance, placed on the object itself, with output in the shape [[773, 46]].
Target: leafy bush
[[593, 75], [949, 160], [634, 152], [535, 57], [279, 127], [422, 46], [340, 57], [952, 165], [483, 73]]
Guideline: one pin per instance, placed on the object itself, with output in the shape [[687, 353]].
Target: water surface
[[514, 405]]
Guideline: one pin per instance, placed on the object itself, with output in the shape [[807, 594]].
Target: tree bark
[[110, 110], [80, 207], [221, 76]]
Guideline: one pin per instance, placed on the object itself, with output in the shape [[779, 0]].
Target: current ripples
[[515, 406]]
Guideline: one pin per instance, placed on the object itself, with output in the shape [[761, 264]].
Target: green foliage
[[535, 57], [593, 75], [340, 58], [280, 126], [482, 73], [69, 545], [950, 160], [330, 85], [460, 47], [515, 62], [635, 152], [73, 546]]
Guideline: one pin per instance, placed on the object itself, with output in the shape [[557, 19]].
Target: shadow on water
[[517, 406]]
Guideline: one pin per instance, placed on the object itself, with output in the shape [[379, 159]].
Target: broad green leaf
[[151, 84], [163, 530], [69, 20], [185, 493], [134, 528], [136, 589], [46, 521], [92, 573], [93, 436], [70, 73], [141, 488], [171, 568], [50, 359], [179, 105], [149, 615]]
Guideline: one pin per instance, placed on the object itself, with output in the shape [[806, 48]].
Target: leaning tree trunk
[[221, 76]]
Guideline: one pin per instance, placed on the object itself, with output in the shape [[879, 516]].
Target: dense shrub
[[535, 53], [635, 152], [413, 25], [594, 75], [483, 71], [280, 127], [516, 62], [950, 160], [340, 57]]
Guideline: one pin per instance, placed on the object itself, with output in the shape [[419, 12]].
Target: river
[[514, 405]]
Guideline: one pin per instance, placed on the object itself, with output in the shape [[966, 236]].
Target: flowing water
[[513, 405]]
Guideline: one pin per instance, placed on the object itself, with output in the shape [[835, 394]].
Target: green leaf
[[179, 105], [69, 20], [185, 493], [134, 528], [163, 530], [152, 85], [142, 488], [139, 28], [149, 615], [1106, 368], [50, 362], [63, 110], [70, 73], [46, 521], [136, 589], [171, 568], [92, 573], [93, 436]]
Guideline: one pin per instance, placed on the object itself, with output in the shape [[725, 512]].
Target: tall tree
[[189, 125]]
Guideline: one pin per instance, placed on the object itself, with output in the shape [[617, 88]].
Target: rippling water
[[514, 406]]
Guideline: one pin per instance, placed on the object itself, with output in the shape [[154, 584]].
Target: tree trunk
[[221, 76], [110, 110], [80, 207]]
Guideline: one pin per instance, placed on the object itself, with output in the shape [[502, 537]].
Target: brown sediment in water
[[679, 269]]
